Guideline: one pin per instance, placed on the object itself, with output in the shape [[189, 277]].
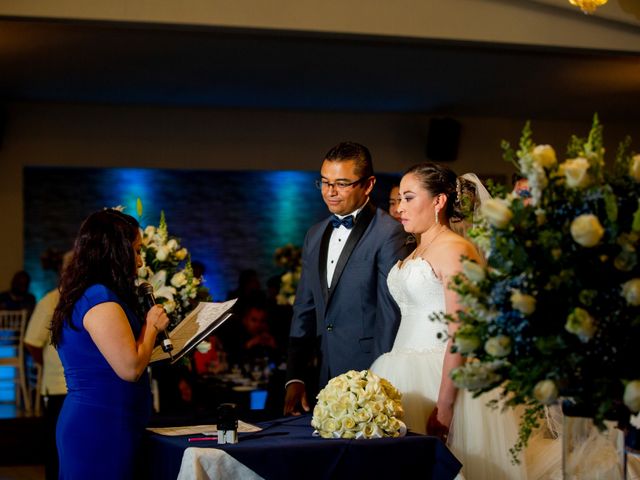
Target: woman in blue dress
[[105, 344]]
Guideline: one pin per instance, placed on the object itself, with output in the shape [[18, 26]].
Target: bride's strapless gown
[[480, 437]]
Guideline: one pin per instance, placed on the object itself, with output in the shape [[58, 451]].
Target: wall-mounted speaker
[[443, 139]]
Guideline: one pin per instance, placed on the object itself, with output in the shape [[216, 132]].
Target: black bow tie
[[346, 221]]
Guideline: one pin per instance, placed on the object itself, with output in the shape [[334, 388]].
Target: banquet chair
[[12, 327]]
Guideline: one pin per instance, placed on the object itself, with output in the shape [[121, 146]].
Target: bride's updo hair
[[438, 179]]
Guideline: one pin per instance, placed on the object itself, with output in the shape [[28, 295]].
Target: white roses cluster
[[358, 405]]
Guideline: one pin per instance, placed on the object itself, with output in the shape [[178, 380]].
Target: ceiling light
[[588, 6]]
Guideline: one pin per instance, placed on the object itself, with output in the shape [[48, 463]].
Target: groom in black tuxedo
[[343, 308]]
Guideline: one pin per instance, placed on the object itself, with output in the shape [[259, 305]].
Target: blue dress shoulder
[[103, 418]]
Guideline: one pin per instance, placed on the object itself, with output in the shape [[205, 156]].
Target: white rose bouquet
[[556, 312], [167, 267], [358, 405]]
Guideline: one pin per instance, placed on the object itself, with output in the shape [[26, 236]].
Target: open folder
[[194, 328]]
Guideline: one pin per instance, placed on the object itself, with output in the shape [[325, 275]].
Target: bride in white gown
[[420, 361]]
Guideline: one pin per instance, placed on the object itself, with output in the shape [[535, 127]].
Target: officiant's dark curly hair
[[102, 254], [438, 179]]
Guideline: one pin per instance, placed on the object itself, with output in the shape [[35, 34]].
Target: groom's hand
[[295, 396]]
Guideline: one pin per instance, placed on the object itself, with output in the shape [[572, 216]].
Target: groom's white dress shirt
[[337, 241]]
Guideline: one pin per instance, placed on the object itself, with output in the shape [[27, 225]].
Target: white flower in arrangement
[[545, 392], [523, 302], [586, 230], [475, 375], [143, 272], [358, 405], [179, 280], [160, 288], [162, 253], [576, 172], [632, 396], [148, 234], [634, 167], [169, 306], [631, 291], [497, 212], [164, 267], [581, 323], [473, 271], [545, 156], [534, 165], [466, 340], [172, 245], [498, 346]]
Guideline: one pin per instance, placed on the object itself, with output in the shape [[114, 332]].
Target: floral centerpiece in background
[[556, 312], [289, 258], [167, 267], [358, 405]]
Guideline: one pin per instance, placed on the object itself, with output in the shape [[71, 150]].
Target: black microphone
[[145, 290]]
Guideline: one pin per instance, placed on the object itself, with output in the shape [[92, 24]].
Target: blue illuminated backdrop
[[229, 220]]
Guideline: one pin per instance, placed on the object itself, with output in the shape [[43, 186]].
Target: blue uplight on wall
[[128, 185], [228, 220]]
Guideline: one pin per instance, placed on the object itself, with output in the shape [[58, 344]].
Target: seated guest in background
[[279, 314], [18, 297], [249, 340], [394, 201], [198, 269], [248, 286], [210, 357], [105, 341], [54, 389], [521, 187]]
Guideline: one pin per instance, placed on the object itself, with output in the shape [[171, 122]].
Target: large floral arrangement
[[289, 258], [555, 314], [358, 405], [167, 267]]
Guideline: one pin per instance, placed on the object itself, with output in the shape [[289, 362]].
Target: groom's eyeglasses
[[339, 185]]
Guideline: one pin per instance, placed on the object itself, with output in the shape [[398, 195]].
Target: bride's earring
[[437, 212]]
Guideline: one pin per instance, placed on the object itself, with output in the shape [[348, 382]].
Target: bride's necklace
[[420, 250]]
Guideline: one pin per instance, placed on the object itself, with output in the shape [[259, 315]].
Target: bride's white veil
[[481, 195]]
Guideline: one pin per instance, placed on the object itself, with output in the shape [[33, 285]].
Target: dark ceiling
[[178, 66]]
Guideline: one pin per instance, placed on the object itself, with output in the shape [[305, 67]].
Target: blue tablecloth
[[286, 449]]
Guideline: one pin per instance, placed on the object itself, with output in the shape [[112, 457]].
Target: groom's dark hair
[[345, 151]]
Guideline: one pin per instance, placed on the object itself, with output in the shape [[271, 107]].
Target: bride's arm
[[450, 265]]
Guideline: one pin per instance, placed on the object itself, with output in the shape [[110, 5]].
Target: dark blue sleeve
[[94, 295]]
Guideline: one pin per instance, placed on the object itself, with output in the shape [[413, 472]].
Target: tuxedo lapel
[[322, 259], [362, 222]]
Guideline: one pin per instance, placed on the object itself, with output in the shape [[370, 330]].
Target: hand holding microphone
[[145, 291]]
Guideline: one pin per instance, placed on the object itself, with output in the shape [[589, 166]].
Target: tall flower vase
[[588, 452]]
